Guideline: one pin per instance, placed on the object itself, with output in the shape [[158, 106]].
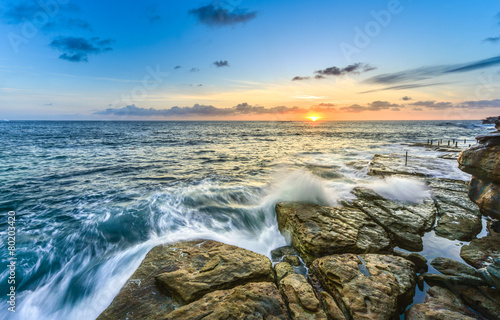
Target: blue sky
[[351, 60]]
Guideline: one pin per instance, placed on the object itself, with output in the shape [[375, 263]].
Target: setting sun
[[313, 118]]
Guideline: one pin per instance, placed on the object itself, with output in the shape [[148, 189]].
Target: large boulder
[[317, 231], [486, 195], [251, 301], [173, 275], [405, 223], [483, 161], [366, 286], [440, 304]]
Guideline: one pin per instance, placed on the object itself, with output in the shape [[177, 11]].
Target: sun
[[314, 118]]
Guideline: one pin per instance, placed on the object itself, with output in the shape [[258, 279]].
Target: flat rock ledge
[[197, 279], [316, 231]]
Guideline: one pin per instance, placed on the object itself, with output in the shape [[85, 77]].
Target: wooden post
[[456, 144], [406, 159], [448, 143]]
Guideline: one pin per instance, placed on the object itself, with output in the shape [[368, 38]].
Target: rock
[[458, 217], [481, 161], [330, 306], [283, 269], [465, 280], [490, 120], [480, 253], [419, 261], [278, 253], [405, 223], [358, 164], [257, 300], [492, 273], [486, 195], [484, 300], [440, 304], [300, 298], [369, 286], [453, 268], [497, 124], [493, 227], [213, 266], [316, 231], [394, 164], [196, 265], [293, 260], [492, 138]]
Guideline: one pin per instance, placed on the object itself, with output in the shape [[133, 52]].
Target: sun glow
[[313, 118]]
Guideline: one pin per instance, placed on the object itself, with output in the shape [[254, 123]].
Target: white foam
[[400, 189]]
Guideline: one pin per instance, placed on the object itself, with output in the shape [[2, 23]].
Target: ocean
[[92, 198]]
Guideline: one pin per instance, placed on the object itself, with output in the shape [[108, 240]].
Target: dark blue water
[[91, 198]]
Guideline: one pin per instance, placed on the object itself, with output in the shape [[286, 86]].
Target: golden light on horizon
[[314, 118]]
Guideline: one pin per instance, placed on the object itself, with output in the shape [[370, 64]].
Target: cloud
[[221, 63], [424, 73], [355, 68], [198, 110], [48, 104], [152, 14], [405, 87], [492, 39], [68, 24], [373, 106], [327, 105], [194, 70], [77, 49], [297, 78], [479, 104], [21, 11], [177, 67], [417, 109], [319, 77], [433, 105], [28, 11], [406, 98], [216, 15]]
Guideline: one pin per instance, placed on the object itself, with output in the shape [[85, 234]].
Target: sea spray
[[400, 189]]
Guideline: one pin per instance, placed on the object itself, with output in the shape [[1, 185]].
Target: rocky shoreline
[[356, 261]]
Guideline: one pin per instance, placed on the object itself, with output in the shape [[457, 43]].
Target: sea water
[[92, 198]]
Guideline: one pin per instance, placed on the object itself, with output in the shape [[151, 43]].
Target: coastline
[[389, 243]]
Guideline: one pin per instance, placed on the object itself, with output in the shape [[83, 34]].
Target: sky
[[249, 60]]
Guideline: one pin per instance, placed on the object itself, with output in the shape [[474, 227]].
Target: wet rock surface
[[440, 304], [251, 301], [480, 253], [405, 223], [458, 217], [317, 231], [367, 286], [394, 164], [485, 300], [453, 268]]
